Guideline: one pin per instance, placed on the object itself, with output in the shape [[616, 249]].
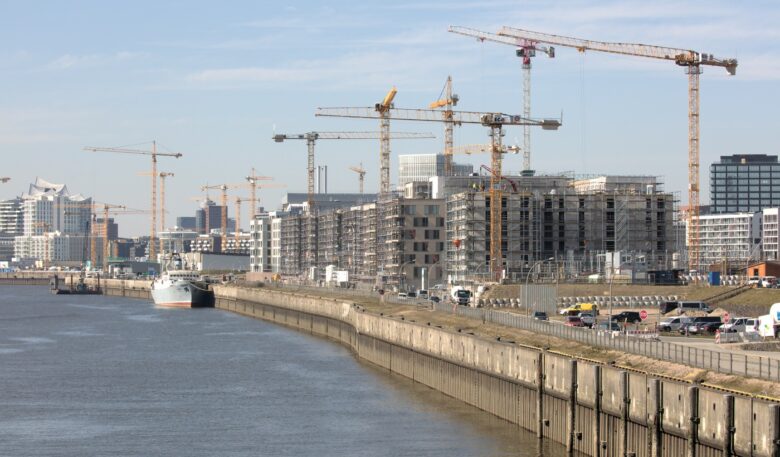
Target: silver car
[[673, 324]]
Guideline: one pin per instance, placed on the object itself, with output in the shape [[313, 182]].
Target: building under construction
[[561, 219], [442, 232]]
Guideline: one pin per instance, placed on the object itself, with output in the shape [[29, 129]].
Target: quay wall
[[589, 407]]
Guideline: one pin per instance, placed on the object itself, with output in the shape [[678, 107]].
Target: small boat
[[180, 288], [79, 288]]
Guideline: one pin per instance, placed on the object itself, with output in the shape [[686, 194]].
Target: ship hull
[[182, 294]]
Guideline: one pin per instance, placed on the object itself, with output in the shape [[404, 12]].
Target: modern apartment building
[[770, 237], [734, 239], [260, 244], [744, 183]]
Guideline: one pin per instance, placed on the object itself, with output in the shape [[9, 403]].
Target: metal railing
[[725, 362]]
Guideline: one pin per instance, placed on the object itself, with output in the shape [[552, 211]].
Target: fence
[[722, 361]]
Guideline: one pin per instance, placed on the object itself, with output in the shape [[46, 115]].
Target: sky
[[215, 80]]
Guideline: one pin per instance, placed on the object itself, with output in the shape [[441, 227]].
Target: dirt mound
[[718, 312]]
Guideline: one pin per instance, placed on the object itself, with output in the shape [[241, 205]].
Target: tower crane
[[361, 175], [312, 137], [525, 49], [493, 121], [153, 154], [4, 179], [447, 100], [163, 175], [692, 61], [224, 201], [252, 179]]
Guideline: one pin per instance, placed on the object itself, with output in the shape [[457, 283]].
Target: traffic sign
[[643, 314], [726, 318]]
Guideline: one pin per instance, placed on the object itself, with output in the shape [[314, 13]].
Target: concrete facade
[[595, 409]]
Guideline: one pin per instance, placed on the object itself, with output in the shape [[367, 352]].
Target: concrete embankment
[[589, 407]]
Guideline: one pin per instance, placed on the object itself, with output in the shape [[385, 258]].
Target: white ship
[[181, 288]]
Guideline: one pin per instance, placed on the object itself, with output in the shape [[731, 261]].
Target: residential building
[[260, 244], [731, 239], [744, 183], [769, 233], [100, 228], [178, 240], [11, 217]]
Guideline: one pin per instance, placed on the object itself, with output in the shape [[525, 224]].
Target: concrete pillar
[[571, 411], [654, 417], [624, 400], [728, 420], [597, 411], [693, 426], [540, 395]]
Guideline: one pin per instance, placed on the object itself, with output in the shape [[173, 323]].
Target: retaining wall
[[596, 409]]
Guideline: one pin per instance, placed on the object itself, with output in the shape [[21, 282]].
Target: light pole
[[527, 277]]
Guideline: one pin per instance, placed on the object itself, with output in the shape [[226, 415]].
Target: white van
[[693, 306], [673, 324]]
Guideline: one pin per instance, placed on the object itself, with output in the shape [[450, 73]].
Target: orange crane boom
[[692, 61], [153, 154]]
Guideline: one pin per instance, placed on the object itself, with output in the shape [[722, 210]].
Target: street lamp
[[527, 277]]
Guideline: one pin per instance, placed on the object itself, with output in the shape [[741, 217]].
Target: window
[[432, 234], [431, 210], [420, 221], [420, 247]]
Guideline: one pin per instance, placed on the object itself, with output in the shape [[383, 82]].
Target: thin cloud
[[71, 61]]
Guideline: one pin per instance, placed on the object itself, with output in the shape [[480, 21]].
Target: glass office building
[[420, 167], [744, 183]]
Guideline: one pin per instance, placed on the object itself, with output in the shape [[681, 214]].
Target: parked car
[[588, 319], [629, 317], [402, 295], [573, 321], [411, 295], [700, 325], [540, 316], [740, 324], [434, 299], [672, 324], [605, 326], [423, 294]]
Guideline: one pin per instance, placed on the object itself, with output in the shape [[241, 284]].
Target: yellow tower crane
[[252, 180], [224, 202], [692, 61], [447, 100], [493, 121], [162, 175], [153, 154], [525, 49], [361, 175], [312, 137]]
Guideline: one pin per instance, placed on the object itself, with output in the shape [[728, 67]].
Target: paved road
[[708, 343]]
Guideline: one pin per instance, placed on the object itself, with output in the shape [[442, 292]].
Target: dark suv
[[629, 317]]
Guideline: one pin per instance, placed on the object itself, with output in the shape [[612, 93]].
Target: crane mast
[[252, 179], [525, 49], [447, 103], [692, 61]]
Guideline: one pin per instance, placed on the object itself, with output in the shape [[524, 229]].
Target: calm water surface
[[93, 376]]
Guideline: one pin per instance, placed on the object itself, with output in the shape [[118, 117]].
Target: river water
[[99, 376]]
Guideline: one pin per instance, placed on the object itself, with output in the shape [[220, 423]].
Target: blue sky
[[213, 81]]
